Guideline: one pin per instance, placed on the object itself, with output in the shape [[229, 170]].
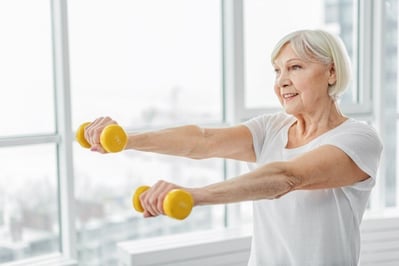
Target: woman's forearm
[[267, 182], [186, 141], [197, 143]]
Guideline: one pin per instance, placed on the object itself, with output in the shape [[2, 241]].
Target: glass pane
[[265, 23], [26, 83], [148, 63], [392, 42], [391, 101], [29, 222], [396, 192]]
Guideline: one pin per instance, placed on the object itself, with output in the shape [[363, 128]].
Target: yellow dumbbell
[[177, 204], [113, 138]]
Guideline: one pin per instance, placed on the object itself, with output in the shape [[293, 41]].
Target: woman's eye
[[295, 67]]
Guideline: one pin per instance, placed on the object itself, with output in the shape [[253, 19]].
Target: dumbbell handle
[[177, 204], [113, 138]]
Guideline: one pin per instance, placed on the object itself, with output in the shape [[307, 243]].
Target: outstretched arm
[[324, 167], [188, 141], [198, 143]]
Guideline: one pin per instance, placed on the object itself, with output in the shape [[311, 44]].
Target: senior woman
[[311, 167]]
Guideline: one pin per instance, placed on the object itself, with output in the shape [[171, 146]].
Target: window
[[26, 64], [147, 64], [143, 65], [29, 221], [264, 26], [391, 103], [152, 64]]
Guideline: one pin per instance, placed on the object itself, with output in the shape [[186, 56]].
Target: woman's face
[[300, 85]]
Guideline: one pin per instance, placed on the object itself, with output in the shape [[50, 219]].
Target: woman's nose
[[283, 80]]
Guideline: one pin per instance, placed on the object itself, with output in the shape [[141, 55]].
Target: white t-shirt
[[311, 227]]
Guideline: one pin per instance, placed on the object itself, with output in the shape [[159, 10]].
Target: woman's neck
[[312, 125]]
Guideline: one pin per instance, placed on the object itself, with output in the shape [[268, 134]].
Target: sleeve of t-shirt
[[362, 144], [264, 126], [257, 126]]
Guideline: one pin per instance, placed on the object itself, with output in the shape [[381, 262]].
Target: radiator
[[230, 247]]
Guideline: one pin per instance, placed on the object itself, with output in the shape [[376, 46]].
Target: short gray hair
[[322, 47]]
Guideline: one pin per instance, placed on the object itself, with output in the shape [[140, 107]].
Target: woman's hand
[[93, 132], [152, 199]]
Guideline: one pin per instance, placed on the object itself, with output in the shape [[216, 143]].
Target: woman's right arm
[[187, 141]]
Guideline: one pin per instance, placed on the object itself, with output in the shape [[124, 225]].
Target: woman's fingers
[[147, 202], [152, 199], [93, 132]]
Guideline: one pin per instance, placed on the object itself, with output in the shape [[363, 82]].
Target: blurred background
[[154, 64]]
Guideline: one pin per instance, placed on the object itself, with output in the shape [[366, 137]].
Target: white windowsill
[[56, 259], [195, 248]]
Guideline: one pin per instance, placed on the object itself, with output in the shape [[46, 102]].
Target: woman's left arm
[[324, 167]]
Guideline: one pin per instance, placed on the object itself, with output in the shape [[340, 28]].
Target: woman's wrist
[[201, 196]]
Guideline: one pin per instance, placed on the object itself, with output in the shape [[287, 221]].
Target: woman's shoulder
[[354, 130], [273, 119], [268, 125], [352, 125]]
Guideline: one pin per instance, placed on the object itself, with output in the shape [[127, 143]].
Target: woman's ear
[[332, 75]]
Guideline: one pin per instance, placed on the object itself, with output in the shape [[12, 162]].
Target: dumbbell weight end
[[113, 138]]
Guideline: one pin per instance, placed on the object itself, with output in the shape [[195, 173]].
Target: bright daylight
[[199, 132]]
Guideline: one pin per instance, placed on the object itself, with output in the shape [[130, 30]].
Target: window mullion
[[63, 125], [233, 84], [375, 68], [233, 59]]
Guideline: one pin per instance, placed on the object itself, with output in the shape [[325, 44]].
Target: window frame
[[63, 127], [234, 31], [62, 138]]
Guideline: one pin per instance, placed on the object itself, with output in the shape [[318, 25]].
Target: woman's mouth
[[288, 96]]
